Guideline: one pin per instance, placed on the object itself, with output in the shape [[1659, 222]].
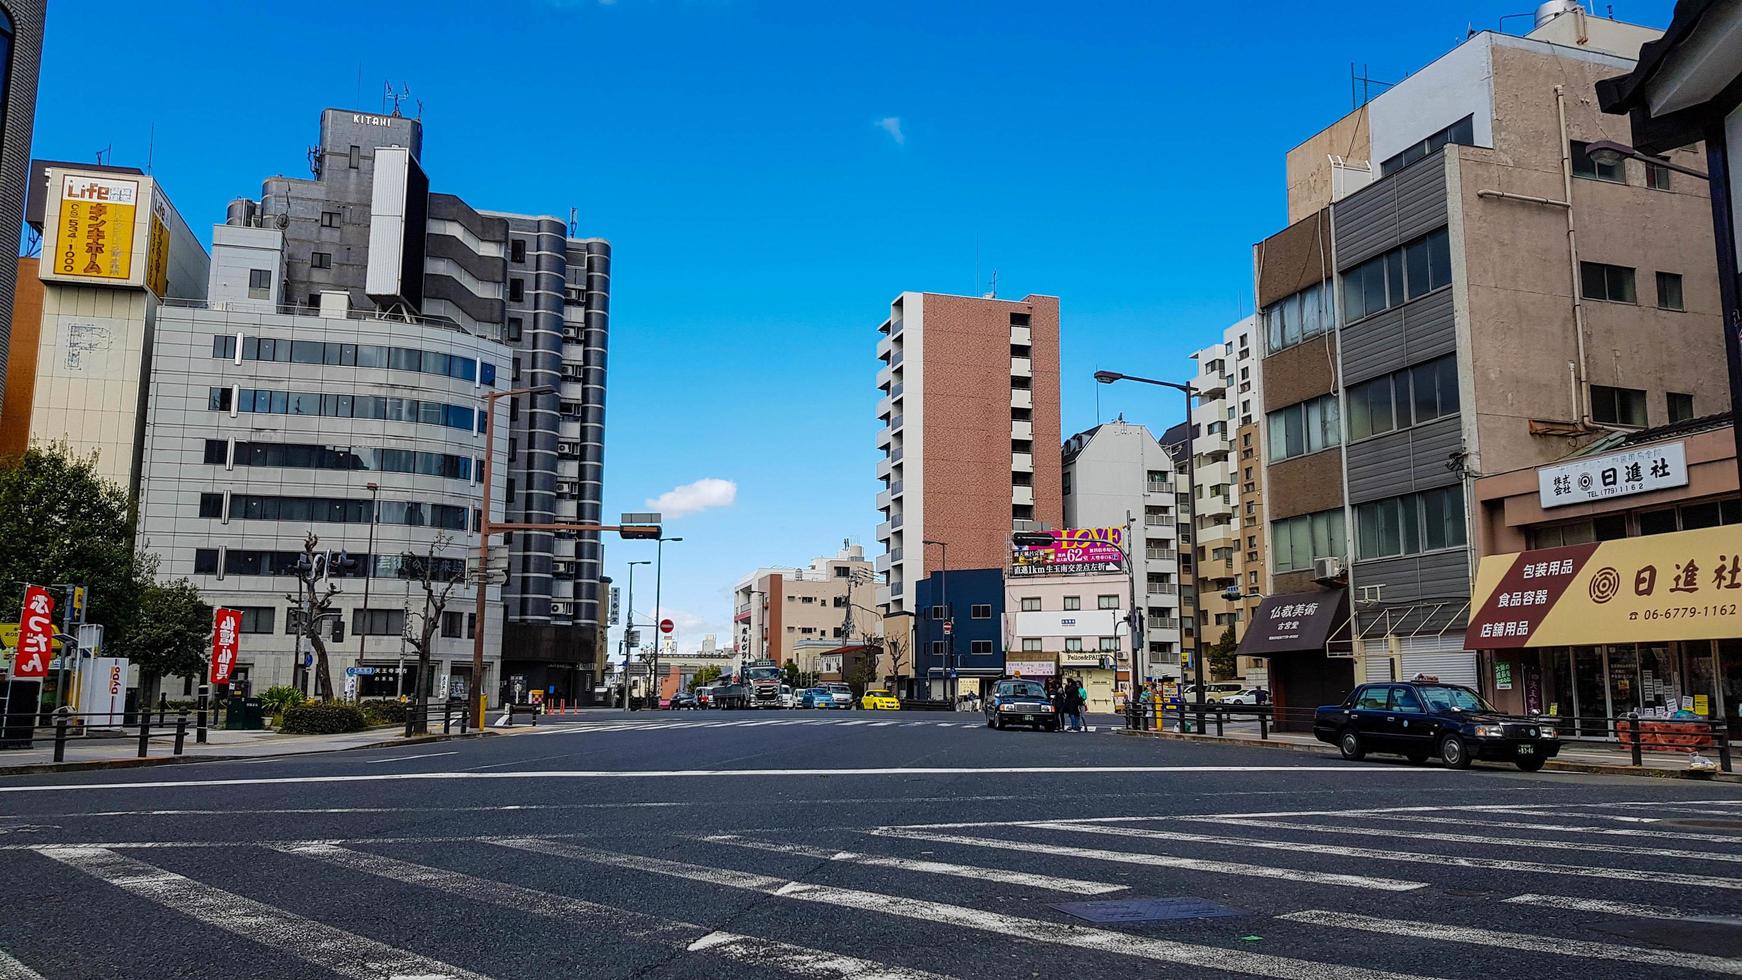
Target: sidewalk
[[105, 753]]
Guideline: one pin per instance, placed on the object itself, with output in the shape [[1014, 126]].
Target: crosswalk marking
[[928, 867], [1481, 839], [1619, 908], [11, 969], [285, 933], [1674, 959], [1443, 860], [1158, 860], [1010, 926], [607, 919], [1548, 827]]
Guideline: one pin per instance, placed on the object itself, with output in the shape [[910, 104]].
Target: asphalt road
[[860, 845]]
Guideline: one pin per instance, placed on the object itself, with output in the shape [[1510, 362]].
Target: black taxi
[[1422, 718]]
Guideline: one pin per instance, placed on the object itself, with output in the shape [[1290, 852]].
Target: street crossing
[[1303, 903], [818, 720]]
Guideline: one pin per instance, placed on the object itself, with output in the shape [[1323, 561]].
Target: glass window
[[320, 260], [1106, 602], [1618, 406], [1073, 643], [1404, 699], [1700, 515], [980, 610], [1681, 406], [369, 356], [1669, 291], [1657, 176], [1370, 408], [1030, 644], [1073, 602], [1611, 283], [1415, 265], [1585, 166], [1031, 604]]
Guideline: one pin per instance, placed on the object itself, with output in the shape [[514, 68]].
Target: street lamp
[[1610, 153], [658, 580], [950, 682], [1107, 378], [629, 627]]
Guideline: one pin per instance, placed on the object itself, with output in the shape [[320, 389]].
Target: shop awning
[[1686, 585], [1298, 623]]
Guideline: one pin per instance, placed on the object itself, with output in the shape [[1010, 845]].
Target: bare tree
[[315, 591], [897, 649], [421, 626]]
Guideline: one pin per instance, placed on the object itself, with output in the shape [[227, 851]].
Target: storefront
[[1305, 639]]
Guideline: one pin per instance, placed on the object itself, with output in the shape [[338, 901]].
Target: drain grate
[[1146, 910]]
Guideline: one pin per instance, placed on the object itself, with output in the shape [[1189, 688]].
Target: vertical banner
[[226, 633], [94, 239], [35, 634]]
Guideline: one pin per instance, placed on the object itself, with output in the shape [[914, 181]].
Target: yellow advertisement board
[[94, 231], [157, 253]]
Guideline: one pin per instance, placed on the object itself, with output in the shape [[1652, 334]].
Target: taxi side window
[[1371, 699], [1404, 699]]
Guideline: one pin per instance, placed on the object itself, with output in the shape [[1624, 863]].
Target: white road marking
[[285, 933], [408, 758], [1587, 814], [1556, 845], [883, 724], [1549, 827], [1672, 959], [1619, 908], [1161, 861], [1441, 860], [703, 773], [605, 919], [1009, 927], [1049, 882], [11, 969]]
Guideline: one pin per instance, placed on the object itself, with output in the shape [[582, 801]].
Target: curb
[[1553, 765], [173, 760]]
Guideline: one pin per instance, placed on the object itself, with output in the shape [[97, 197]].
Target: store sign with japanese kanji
[[226, 643], [1622, 474], [35, 634], [1681, 586]]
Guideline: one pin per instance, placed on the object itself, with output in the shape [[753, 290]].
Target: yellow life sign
[[94, 233], [157, 256]]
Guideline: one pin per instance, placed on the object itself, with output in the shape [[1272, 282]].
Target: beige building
[[1069, 625], [777, 609]]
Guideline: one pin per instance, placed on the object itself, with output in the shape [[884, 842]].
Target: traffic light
[[639, 532]]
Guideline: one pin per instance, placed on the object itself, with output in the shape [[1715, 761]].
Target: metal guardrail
[[1191, 716], [445, 710]]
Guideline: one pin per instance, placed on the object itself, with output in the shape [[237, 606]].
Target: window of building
[[1585, 166], [1612, 283], [1657, 176], [1073, 602], [1681, 406], [980, 610], [938, 613], [356, 157], [453, 624], [1410, 524], [377, 622], [1462, 132], [1410, 271], [320, 260], [1073, 643], [517, 250], [1019, 319], [329, 219], [516, 290], [1109, 644], [1031, 604], [259, 286], [980, 647], [1669, 291], [1106, 602], [1302, 316], [258, 619], [1030, 644], [211, 505], [938, 649], [1404, 398], [1305, 427], [1618, 406], [1296, 542]]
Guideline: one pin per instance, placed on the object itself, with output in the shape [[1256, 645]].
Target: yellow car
[[879, 701]]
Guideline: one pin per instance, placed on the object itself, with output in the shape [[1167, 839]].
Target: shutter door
[[1378, 669], [1439, 656]]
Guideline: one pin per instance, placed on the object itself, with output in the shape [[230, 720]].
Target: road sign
[[616, 598], [35, 634], [949, 626], [666, 626], [633, 639], [359, 672], [226, 643]]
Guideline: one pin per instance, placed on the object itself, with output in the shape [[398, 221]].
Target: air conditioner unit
[[559, 609], [1326, 569], [565, 447]]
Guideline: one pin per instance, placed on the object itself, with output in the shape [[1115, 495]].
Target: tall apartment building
[[970, 386], [1462, 290], [774, 610], [21, 26], [1118, 475], [367, 225]]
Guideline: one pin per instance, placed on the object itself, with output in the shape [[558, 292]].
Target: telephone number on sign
[[1685, 612]]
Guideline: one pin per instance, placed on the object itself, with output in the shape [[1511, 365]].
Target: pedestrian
[[1060, 708], [1073, 702], [1082, 706]]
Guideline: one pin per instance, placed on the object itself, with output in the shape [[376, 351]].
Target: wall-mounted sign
[[93, 236], [1613, 475], [1077, 549]]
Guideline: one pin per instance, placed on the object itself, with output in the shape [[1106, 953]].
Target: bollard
[[61, 715], [162, 709], [1184, 726], [1219, 716], [1722, 737], [1200, 729], [447, 717], [181, 730], [200, 717], [465, 721], [1638, 749], [1263, 725], [144, 733]]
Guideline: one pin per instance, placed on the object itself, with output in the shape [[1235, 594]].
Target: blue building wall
[[967, 588]]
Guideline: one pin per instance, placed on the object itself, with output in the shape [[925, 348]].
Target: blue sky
[[771, 173]]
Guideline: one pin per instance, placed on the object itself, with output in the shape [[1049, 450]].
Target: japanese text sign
[[1077, 549], [226, 643], [94, 233], [1613, 475], [35, 634]]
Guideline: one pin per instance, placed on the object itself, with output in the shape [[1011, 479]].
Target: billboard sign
[[226, 643], [1081, 549], [157, 248], [93, 235], [35, 634], [1622, 474]]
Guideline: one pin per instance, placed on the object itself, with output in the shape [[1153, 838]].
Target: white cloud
[[691, 498], [892, 126]]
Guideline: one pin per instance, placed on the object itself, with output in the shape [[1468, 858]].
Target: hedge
[[317, 718], [384, 712]]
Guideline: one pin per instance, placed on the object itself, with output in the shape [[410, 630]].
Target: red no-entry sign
[[666, 626]]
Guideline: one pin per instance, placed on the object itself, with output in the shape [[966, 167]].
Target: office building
[[776, 610], [1118, 475], [367, 226], [969, 387], [1463, 290], [1068, 621], [21, 27]]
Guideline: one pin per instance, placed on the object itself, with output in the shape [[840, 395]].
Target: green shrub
[[323, 718], [384, 712], [276, 699]]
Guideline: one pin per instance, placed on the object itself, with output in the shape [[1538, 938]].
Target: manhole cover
[[1146, 910]]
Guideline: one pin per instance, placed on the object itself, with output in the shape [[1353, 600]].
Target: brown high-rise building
[[970, 442]]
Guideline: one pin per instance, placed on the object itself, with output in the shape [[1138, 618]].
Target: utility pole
[[629, 628], [950, 682]]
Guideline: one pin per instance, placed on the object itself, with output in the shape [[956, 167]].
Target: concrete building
[[21, 27], [1071, 625], [969, 386], [1118, 475], [777, 609], [366, 224], [1463, 290]]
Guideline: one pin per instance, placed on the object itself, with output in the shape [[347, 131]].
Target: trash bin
[[244, 715]]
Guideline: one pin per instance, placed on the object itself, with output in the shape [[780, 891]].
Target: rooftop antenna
[[1361, 85], [150, 147], [574, 221], [107, 151], [992, 292], [397, 98]]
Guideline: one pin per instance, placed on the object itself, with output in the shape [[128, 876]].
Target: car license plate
[[1027, 717], [1527, 750]]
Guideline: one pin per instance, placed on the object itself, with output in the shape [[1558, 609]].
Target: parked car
[[815, 697], [1248, 695], [679, 702], [879, 700], [1020, 702], [1423, 718], [705, 696], [1221, 690], [786, 698], [840, 695]]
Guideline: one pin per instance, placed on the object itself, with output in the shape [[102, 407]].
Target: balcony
[[896, 358], [1210, 386], [895, 423], [1021, 335], [883, 500], [884, 531], [884, 375], [885, 407], [895, 455], [895, 489], [1163, 588], [895, 522], [884, 466], [1022, 462], [1162, 626], [1021, 430], [1160, 554], [1022, 495], [1158, 487], [885, 347], [896, 325], [1021, 367], [882, 563], [1021, 398], [899, 387], [884, 437]]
